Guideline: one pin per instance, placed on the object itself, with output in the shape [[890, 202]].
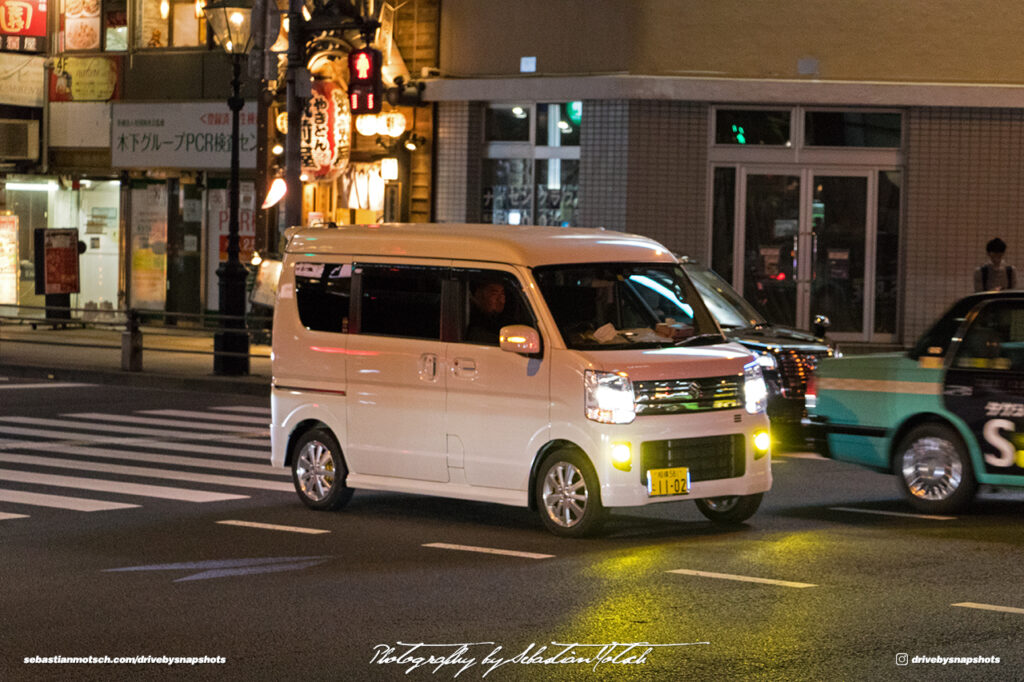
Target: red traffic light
[[364, 81]]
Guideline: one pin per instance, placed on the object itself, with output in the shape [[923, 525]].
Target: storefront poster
[[187, 135], [85, 79], [60, 261], [10, 265], [22, 80], [218, 224], [149, 247], [81, 24]]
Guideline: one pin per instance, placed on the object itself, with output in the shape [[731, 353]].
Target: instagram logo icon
[[902, 659]]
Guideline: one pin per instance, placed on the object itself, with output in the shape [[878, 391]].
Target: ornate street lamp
[[230, 20]]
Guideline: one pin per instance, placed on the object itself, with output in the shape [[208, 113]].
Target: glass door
[[808, 247]]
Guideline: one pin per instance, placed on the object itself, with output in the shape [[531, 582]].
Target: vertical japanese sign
[[10, 265], [325, 142], [60, 261]]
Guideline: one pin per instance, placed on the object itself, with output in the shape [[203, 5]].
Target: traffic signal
[[364, 81]]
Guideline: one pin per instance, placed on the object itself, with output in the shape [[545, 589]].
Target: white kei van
[[564, 369]]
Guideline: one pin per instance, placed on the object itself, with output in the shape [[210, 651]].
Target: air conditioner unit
[[19, 139]]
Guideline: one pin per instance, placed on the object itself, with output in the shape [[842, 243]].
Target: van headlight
[[609, 397], [754, 389]]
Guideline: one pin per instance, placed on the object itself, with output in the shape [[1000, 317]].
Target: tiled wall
[[965, 185], [459, 149], [643, 169]]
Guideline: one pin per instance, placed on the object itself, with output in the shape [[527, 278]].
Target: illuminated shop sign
[[23, 25], [185, 135]]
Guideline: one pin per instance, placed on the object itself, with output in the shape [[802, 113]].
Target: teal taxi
[[945, 417]]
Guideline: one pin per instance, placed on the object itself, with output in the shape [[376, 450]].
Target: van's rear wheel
[[729, 510], [319, 471], [568, 495]]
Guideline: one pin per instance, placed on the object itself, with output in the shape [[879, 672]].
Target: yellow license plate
[[674, 481]]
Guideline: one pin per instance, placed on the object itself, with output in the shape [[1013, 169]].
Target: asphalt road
[[834, 578]]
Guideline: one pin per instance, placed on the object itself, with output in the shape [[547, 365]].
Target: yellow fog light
[[622, 456], [762, 443]]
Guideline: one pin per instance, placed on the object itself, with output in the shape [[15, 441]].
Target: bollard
[[131, 344]]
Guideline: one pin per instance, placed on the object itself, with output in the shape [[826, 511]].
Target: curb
[[247, 385]]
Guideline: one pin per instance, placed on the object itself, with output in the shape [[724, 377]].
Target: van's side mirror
[[518, 338], [821, 323]]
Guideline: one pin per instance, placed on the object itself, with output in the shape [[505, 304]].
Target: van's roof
[[528, 245]]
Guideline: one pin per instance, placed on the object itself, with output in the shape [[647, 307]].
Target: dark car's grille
[[794, 369], [708, 459], [674, 396]]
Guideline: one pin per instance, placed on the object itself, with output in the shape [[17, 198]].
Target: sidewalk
[[93, 355]]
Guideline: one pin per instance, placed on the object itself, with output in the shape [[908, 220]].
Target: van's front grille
[[674, 396], [709, 458]]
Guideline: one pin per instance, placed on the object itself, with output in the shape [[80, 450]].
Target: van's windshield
[[612, 306]]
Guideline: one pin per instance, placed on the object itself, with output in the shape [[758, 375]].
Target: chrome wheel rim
[[721, 504], [314, 470], [932, 469], [565, 494]]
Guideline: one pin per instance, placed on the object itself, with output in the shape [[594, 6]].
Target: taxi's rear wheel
[[935, 470], [568, 495], [319, 472], [730, 509]]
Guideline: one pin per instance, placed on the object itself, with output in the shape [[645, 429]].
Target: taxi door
[[985, 386]]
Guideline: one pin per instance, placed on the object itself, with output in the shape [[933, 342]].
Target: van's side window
[[400, 300], [490, 300], [322, 295]]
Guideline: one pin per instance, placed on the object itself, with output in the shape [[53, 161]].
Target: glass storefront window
[[508, 191], [723, 220], [887, 252], [752, 127], [852, 129], [557, 191], [169, 23], [507, 123], [558, 125], [115, 26]]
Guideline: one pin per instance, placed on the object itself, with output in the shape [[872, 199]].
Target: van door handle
[[464, 367], [428, 367]]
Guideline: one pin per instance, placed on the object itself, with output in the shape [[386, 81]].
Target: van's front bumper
[[701, 432]]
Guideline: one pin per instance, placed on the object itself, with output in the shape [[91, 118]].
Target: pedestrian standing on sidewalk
[[995, 275]]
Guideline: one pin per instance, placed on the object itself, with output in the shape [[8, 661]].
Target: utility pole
[[298, 90]]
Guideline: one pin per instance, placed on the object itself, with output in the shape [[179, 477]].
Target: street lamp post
[[230, 20]]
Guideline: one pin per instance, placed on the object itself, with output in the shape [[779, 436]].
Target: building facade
[[849, 160]]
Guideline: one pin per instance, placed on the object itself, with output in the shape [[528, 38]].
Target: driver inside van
[[487, 311]]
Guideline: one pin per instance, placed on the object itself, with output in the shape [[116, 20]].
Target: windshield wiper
[[701, 339]]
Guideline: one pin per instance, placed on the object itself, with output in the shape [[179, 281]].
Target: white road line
[[802, 455], [253, 449], [167, 460], [929, 517], [271, 526], [488, 550], [60, 501], [187, 425], [244, 408], [989, 607], [147, 472], [55, 384], [107, 428], [236, 418], [741, 578], [5, 517], [120, 487]]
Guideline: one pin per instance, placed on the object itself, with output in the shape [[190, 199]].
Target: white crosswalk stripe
[[202, 456], [236, 418]]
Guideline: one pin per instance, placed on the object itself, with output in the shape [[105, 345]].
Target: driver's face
[[491, 298]]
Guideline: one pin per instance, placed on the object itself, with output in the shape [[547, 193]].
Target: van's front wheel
[[319, 471], [568, 495]]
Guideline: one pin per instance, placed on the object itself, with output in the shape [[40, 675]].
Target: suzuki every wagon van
[[566, 370]]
